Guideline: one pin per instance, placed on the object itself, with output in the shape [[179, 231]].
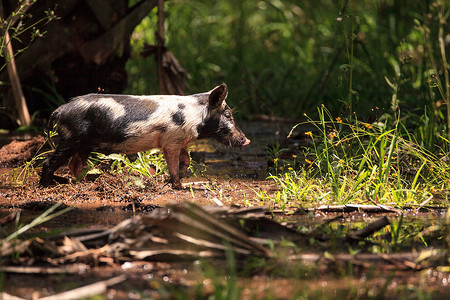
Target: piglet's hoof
[[60, 179], [53, 181], [177, 186]]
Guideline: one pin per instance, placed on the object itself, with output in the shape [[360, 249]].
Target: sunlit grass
[[148, 163], [20, 175], [358, 162]]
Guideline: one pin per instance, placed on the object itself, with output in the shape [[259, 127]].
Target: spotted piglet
[[129, 124]]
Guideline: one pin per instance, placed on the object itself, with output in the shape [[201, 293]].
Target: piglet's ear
[[217, 96]]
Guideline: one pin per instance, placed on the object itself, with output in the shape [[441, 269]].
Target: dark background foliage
[[278, 57]]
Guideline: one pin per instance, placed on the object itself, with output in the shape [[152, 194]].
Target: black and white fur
[[130, 124]]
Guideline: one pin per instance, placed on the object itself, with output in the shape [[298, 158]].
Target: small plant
[[275, 162], [149, 163], [296, 189], [20, 175], [396, 233], [198, 169]]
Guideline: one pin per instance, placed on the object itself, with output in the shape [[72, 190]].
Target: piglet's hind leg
[[52, 163]]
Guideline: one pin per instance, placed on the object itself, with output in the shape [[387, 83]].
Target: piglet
[[130, 124]]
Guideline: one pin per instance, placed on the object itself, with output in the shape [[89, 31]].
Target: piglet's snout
[[241, 142]]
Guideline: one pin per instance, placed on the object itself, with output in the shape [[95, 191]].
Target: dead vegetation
[[188, 233]]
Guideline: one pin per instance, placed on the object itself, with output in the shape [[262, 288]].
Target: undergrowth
[[349, 161]]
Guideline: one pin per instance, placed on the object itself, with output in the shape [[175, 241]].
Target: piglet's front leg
[[172, 156], [185, 160]]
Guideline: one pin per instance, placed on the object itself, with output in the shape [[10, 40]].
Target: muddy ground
[[222, 176]]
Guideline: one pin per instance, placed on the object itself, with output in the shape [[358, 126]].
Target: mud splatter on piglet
[[130, 124]]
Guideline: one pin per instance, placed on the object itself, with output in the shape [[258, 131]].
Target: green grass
[[356, 162], [148, 163]]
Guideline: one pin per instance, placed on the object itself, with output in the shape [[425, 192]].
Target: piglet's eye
[[227, 114]]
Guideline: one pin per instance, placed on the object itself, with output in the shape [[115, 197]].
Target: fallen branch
[[345, 209], [421, 205], [74, 268], [9, 218], [403, 264], [394, 261], [88, 290], [370, 229]]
